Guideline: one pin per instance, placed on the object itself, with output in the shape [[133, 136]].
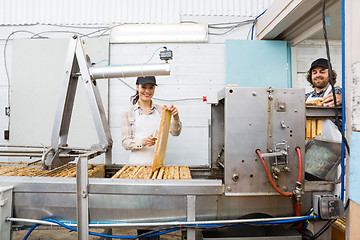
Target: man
[[319, 78]]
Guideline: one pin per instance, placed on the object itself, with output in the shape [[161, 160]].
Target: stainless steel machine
[[256, 138]]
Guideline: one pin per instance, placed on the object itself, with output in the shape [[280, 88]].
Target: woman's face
[[146, 91]]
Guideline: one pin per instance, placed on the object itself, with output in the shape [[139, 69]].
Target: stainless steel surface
[[94, 99], [322, 159], [82, 198], [254, 118], [319, 186], [217, 134], [6, 195], [77, 61], [133, 200], [191, 216], [322, 112], [130, 71]]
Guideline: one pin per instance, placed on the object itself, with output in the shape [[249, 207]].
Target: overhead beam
[[293, 20]]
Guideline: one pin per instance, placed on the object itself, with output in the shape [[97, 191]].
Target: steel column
[[191, 206], [82, 198]]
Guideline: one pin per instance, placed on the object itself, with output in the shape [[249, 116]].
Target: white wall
[[306, 52], [196, 70]]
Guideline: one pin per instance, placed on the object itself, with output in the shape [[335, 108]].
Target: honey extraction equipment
[[256, 142]]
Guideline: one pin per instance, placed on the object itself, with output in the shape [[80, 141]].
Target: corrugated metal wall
[[22, 12]]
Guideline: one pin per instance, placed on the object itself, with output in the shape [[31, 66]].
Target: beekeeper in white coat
[[142, 119]]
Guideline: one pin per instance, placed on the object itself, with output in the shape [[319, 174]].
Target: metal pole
[[82, 197], [191, 202], [129, 71]]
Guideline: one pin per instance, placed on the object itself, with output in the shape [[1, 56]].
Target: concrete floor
[[64, 234]]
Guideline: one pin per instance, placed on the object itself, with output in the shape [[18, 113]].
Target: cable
[[30, 231], [231, 28], [252, 28], [153, 55], [331, 79], [328, 224]]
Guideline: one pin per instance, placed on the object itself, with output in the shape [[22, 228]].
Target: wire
[[252, 28], [154, 54], [331, 79], [231, 28]]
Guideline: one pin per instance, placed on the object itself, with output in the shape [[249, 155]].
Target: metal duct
[[130, 71]]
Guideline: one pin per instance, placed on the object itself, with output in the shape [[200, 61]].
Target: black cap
[[321, 62], [145, 80]]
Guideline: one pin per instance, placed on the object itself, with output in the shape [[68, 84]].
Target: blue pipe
[[343, 98]]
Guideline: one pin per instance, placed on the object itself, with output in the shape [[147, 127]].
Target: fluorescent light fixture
[[163, 33]]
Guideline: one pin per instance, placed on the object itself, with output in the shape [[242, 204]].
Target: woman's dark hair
[[135, 98], [308, 77]]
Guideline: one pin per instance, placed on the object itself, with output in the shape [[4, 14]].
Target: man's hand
[[149, 141], [328, 100], [174, 111]]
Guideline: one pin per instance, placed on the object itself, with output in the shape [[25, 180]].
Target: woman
[[142, 119]]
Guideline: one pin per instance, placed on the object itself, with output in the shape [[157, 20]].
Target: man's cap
[[321, 62], [145, 80]]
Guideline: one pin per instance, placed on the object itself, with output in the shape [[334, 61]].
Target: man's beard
[[322, 84]]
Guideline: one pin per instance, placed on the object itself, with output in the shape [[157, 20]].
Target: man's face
[[320, 77]]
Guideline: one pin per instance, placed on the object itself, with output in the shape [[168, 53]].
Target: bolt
[[287, 169], [285, 188], [282, 106], [235, 177], [229, 189], [253, 93]]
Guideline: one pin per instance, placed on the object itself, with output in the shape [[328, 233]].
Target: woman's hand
[[174, 111], [149, 141], [328, 100]]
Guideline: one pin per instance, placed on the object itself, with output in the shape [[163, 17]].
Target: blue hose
[[168, 230]]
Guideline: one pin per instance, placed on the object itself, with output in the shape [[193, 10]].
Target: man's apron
[[145, 125], [330, 130]]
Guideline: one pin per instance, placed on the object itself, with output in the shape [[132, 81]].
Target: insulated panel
[[258, 63], [37, 69]]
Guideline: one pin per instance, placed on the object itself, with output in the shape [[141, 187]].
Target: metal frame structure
[[78, 64]]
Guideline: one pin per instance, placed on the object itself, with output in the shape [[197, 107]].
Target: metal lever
[[275, 154]]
